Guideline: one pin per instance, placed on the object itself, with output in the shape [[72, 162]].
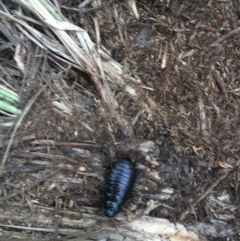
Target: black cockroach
[[119, 182]]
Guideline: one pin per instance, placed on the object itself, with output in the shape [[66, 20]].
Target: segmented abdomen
[[119, 182]]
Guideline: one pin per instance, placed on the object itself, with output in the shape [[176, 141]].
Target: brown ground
[[187, 55]]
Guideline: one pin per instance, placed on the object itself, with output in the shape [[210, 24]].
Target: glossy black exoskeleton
[[119, 182]]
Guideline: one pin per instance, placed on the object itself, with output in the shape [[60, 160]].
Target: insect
[[119, 182]]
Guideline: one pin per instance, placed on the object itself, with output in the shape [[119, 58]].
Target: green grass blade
[[9, 108], [9, 96]]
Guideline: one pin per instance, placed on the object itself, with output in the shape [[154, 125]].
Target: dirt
[[189, 65]]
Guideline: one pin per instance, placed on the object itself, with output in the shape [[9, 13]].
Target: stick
[[207, 192], [24, 113]]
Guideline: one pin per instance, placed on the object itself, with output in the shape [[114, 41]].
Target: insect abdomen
[[119, 183]]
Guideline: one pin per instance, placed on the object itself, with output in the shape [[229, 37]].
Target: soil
[[187, 56]]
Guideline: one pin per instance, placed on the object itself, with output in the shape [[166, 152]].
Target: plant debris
[[96, 80]]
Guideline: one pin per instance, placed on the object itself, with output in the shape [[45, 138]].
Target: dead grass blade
[[208, 190], [74, 46], [19, 121]]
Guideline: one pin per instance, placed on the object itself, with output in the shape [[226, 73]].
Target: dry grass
[[100, 79]]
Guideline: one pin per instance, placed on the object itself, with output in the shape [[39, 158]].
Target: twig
[[228, 35], [25, 111], [218, 78], [202, 117], [207, 192], [47, 230], [27, 188], [18, 140], [61, 143], [84, 3]]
